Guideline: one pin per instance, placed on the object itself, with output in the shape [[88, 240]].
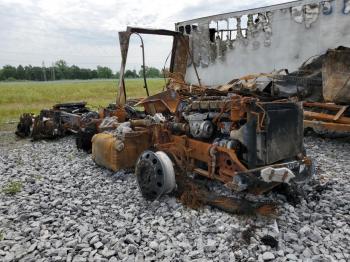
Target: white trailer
[[284, 36]]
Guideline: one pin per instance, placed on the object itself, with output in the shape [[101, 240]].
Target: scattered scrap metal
[[322, 84], [55, 122]]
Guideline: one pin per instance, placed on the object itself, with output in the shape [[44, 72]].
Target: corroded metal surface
[[179, 56], [336, 76], [117, 153], [326, 118]]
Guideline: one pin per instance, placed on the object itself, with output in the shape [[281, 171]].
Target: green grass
[[13, 188], [17, 98]]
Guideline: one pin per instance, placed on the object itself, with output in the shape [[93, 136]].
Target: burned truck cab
[[246, 144]]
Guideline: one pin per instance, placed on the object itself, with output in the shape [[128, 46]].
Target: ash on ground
[[68, 209]]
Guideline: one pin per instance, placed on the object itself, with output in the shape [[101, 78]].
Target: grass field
[[20, 97]]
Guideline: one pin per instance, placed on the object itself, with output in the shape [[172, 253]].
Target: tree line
[[61, 71]]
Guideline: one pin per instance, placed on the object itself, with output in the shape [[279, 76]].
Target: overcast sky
[[84, 32]]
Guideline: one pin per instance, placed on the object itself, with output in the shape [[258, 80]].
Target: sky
[[85, 32]]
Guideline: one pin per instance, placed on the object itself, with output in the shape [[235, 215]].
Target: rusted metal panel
[[326, 127], [326, 117], [160, 103], [118, 112], [336, 76], [179, 57], [118, 153], [328, 106], [124, 38]]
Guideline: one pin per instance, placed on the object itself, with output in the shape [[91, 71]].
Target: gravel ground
[[69, 209]]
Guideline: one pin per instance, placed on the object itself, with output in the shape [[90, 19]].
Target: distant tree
[[151, 72], [61, 69], [20, 73], [9, 71], [48, 71], [94, 74], [85, 73], [28, 72], [37, 73], [117, 75], [75, 72], [131, 74], [104, 72]]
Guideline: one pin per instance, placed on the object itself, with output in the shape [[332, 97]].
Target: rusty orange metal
[[191, 152], [120, 153], [326, 126], [336, 76], [309, 115], [326, 117], [328, 106], [160, 103], [119, 112]]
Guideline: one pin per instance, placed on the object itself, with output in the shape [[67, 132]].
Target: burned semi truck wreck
[[246, 143], [241, 89], [204, 125]]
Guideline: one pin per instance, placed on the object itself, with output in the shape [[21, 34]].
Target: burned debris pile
[[247, 144], [246, 134], [321, 83], [53, 123]]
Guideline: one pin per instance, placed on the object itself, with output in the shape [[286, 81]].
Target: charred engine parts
[[200, 127]]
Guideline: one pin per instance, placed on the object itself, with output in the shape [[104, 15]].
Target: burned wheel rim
[[155, 174]]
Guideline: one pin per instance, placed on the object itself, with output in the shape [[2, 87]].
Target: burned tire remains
[[155, 174]]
